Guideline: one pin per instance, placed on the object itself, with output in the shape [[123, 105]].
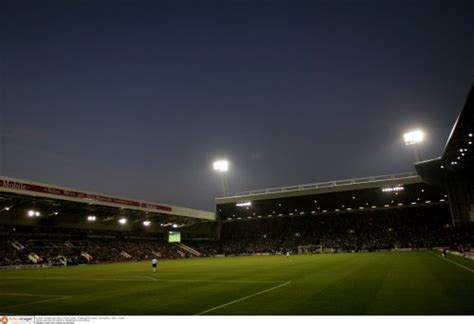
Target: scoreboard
[[174, 236]]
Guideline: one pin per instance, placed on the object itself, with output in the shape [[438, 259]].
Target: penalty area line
[[453, 262], [244, 298], [211, 280], [48, 300]]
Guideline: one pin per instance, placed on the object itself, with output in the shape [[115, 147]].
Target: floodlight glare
[[414, 137], [123, 221], [146, 223], [221, 165], [31, 213], [175, 225], [91, 218]]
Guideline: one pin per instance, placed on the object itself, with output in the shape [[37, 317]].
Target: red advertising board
[[15, 185]]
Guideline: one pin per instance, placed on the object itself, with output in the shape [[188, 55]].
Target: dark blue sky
[[137, 98]]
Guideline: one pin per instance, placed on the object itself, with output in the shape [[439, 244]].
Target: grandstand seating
[[410, 228]]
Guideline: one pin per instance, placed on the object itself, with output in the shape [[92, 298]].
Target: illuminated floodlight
[[122, 221], [146, 223], [413, 137], [7, 208], [31, 213], [391, 189], [244, 204], [37, 214], [221, 165], [91, 218], [176, 225]]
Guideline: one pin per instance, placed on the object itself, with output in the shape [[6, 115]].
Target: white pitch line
[[147, 279], [454, 262], [244, 298], [29, 295], [37, 302], [151, 278], [216, 281]]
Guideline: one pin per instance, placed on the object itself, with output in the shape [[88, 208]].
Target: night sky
[[137, 98]]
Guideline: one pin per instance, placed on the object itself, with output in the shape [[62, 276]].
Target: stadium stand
[[415, 228]]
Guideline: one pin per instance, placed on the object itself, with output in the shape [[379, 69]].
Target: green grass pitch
[[363, 283]]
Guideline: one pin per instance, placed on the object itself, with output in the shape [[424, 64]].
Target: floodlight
[[391, 189], [244, 204], [37, 213], [31, 213], [175, 225], [414, 137], [91, 218], [7, 208], [146, 223], [123, 221], [221, 165]]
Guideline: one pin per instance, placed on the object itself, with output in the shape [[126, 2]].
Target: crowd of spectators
[[79, 251], [393, 229], [345, 232]]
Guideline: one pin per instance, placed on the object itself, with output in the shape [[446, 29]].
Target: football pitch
[[327, 284]]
